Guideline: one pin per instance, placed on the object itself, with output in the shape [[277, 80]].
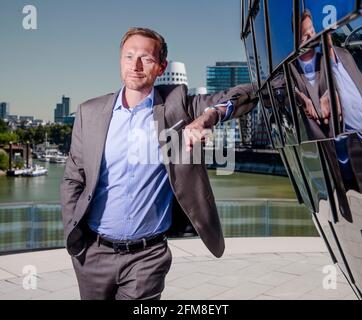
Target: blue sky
[[75, 50]]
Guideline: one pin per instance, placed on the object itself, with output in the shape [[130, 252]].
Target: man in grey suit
[[120, 196]]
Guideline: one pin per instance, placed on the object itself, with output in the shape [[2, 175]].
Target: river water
[[235, 186]]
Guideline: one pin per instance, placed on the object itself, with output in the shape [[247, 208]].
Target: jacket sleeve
[[242, 97], [73, 182]]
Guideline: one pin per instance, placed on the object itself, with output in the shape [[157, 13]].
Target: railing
[[30, 226], [34, 226], [265, 218]]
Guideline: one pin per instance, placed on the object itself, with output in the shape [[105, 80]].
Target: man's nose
[[137, 64]]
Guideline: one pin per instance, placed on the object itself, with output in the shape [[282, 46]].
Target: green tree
[[4, 160], [39, 134], [61, 135], [7, 137], [3, 126]]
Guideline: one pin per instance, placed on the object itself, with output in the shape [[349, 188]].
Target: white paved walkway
[[251, 268]]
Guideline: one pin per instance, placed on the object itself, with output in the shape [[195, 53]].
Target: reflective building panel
[[326, 13], [281, 29], [299, 177], [271, 118], [283, 108], [260, 40], [312, 104], [245, 12], [310, 160], [345, 55], [290, 175], [344, 161], [249, 48], [311, 95]]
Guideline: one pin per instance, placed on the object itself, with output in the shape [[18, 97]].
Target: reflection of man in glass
[[348, 80], [312, 94], [310, 85]]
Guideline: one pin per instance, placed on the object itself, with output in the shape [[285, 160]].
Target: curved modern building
[[174, 74], [305, 62], [197, 91]]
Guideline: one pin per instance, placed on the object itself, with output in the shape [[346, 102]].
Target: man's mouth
[[135, 76]]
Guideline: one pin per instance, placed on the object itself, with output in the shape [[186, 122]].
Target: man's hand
[[199, 129], [308, 106], [326, 107]]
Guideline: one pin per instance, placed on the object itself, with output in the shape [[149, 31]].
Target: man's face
[[140, 63], [307, 30]]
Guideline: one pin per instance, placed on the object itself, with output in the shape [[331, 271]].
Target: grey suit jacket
[[189, 182]]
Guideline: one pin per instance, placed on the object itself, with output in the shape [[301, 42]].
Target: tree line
[[59, 134]]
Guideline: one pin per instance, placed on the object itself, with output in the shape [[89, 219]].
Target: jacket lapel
[[102, 122], [159, 116]]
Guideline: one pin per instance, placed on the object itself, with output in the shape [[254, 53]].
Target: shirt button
[[75, 223], [89, 197]]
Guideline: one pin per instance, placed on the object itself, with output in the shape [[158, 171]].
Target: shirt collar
[[145, 103], [335, 64], [311, 61]]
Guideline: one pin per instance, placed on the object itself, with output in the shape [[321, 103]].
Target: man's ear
[[163, 68]]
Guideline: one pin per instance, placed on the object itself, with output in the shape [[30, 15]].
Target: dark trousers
[[103, 274]]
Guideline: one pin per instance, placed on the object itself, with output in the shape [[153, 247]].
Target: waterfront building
[[174, 74], [26, 118]]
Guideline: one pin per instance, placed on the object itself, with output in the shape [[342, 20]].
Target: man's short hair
[[148, 33], [306, 14]]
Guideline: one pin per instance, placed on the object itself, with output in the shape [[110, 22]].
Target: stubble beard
[[137, 85]]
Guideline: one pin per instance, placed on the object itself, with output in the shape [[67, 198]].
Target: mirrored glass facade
[[280, 14], [305, 58]]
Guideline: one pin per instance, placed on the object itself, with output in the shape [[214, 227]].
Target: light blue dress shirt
[[350, 97], [133, 197]]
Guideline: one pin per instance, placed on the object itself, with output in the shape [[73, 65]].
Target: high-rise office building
[[4, 110], [249, 129], [62, 110], [225, 75], [66, 105]]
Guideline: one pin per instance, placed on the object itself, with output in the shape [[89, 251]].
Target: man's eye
[[147, 60]]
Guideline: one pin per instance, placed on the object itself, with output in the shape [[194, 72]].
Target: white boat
[[15, 172], [58, 159], [36, 171], [44, 158]]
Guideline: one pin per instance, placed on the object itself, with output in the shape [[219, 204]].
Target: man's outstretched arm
[[241, 97]]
